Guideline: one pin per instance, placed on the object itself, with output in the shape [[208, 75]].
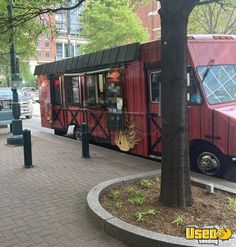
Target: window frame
[[97, 93], [198, 87], [47, 54], [60, 53], [47, 44], [52, 90], [39, 53], [71, 87], [150, 87]]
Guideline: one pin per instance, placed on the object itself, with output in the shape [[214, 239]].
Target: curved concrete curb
[[130, 234]]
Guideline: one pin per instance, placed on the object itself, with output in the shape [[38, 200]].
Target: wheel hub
[[208, 163]]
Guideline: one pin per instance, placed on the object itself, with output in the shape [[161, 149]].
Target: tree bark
[[175, 176]]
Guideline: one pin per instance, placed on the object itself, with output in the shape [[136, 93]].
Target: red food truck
[[117, 93]]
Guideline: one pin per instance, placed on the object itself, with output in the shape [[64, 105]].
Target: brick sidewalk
[[45, 206]]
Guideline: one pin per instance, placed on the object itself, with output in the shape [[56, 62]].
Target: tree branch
[[221, 2], [51, 10], [30, 13]]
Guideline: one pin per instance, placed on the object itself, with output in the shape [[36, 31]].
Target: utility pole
[[16, 137], [68, 22]]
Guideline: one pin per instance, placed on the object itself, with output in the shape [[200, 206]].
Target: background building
[[68, 39], [150, 18], [65, 43]]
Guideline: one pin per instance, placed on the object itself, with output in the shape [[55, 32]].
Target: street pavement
[[36, 109], [45, 205]]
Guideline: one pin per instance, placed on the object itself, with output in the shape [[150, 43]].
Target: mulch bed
[[207, 210]]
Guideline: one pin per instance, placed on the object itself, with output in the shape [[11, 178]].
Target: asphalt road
[[34, 125]]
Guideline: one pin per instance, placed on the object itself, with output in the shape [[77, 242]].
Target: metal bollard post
[[27, 148], [85, 141]]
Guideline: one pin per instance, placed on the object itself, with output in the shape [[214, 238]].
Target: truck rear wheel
[[60, 132], [77, 133], [208, 160]]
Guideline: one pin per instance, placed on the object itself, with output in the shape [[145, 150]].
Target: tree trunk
[[175, 176]]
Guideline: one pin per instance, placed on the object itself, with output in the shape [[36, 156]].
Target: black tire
[[59, 132], [77, 133], [208, 160], [28, 117]]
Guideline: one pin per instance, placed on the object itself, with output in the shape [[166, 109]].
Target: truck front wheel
[[208, 160]]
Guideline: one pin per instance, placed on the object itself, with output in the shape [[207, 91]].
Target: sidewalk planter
[[133, 235]]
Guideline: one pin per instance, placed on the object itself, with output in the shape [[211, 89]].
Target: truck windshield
[[219, 83]]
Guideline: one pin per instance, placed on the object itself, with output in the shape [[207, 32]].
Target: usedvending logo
[[208, 235]]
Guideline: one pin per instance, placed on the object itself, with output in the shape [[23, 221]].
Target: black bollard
[[27, 148], [85, 141]]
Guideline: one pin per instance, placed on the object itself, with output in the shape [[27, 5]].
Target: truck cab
[[212, 103]]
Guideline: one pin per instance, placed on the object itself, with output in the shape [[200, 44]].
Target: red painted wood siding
[[135, 102]]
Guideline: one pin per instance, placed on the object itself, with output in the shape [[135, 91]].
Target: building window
[[59, 16], [47, 53], [77, 50], [71, 52], [59, 51], [46, 43], [39, 53], [66, 50], [61, 26], [38, 43]]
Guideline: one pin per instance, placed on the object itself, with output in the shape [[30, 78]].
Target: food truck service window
[[91, 89], [73, 89], [95, 85]]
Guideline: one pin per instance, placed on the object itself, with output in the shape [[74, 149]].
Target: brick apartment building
[[65, 44], [150, 19]]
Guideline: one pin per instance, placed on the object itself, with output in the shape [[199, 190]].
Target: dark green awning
[[91, 61]]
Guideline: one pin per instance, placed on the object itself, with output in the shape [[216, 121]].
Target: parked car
[[32, 92], [26, 107]]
